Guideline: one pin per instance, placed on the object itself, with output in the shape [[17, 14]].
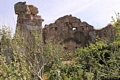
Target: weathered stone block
[[27, 12], [92, 35], [37, 17], [20, 21], [78, 20], [66, 20], [33, 9], [75, 24], [29, 16], [30, 27], [83, 24], [20, 8], [62, 24], [21, 16], [57, 22], [72, 19]]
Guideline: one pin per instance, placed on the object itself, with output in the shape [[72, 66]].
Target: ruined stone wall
[[107, 32], [27, 20], [74, 33], [67, 30]]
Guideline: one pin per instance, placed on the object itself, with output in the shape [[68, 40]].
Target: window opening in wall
[[66, 48], [104, 34], [76, 47], [30, 32], [74, 28], [82, 29], [55, 28]]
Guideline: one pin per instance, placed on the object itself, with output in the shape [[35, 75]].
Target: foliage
[[13, 66], [100, 60], [23, 60], [96, 61]]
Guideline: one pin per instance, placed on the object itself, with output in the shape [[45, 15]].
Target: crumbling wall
[[67, 30], [74, 33], [107, 32], [27, 20]]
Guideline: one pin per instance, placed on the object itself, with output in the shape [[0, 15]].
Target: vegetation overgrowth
[[22, 61]]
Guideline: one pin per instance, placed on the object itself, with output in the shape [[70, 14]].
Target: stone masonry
[[67, 30], [27, 20], [74, 33]]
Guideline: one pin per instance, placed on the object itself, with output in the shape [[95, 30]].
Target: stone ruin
[[74, 33], [67, 30], [27, 20]]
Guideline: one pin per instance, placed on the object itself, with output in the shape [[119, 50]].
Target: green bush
[[22, 60]]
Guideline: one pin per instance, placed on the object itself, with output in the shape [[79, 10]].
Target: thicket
[[22, 61], [94, 62]]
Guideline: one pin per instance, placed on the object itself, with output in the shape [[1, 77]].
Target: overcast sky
[[96, 12]]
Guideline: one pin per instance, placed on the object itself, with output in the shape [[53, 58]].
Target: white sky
[[96, 12]]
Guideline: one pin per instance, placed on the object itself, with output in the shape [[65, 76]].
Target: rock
[[20, 7], [23, 8], [27, 20], [33, 9]]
